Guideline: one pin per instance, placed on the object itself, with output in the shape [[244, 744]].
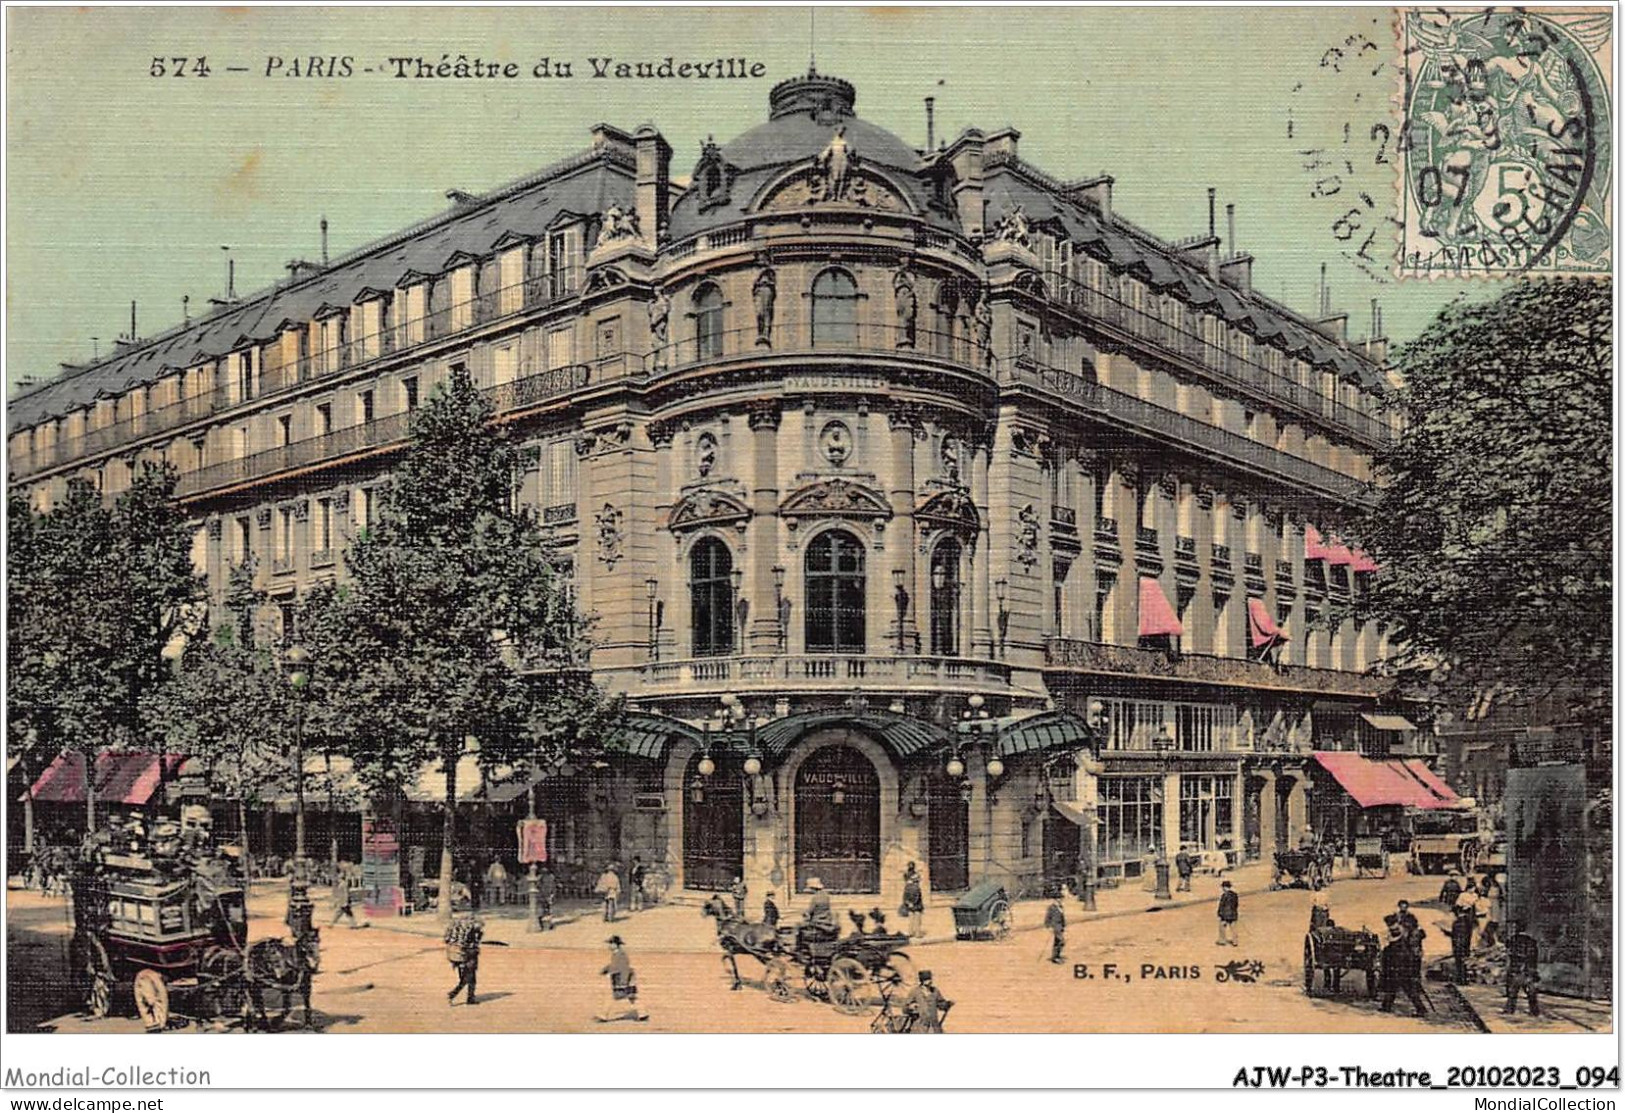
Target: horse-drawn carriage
[[1370, 856], [170, 939], [1334, 951], [1308, 867], [847, 971]]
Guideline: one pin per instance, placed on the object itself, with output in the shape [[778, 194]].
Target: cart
[[148, 937], [1335, 950], [847, 972], [1370, 856], [983, 912], [1308, 867]]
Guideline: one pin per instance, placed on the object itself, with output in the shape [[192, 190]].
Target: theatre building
[[927, 509]]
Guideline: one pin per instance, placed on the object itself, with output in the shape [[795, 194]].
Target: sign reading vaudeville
[[532, 840]]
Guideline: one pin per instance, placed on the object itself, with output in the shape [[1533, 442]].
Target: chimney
[[1095, 191], [324, 241], [1376, 346], [1002, 144], [930, 124], [653, 189], [132, 322], [967, 154], [186, 309], [1230, 227], [1211, 230]]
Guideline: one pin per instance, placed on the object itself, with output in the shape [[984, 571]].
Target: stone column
[[1202, 634], [763, 529], [904, 542], [1266, 817], [1170, 814]]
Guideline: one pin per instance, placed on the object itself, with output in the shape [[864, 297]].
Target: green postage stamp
[[1507, 148]]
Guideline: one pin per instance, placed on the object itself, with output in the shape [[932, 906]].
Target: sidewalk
[[683, 927]]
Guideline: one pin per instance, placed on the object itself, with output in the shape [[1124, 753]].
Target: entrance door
[[1062, 845], [713, 829], [948, 838], [838, 821]]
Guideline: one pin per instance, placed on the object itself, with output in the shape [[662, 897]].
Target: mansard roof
[[586, 183]]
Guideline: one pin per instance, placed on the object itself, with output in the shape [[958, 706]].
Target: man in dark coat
[[927, 1006], [1055, 923], [1401, 968], [1229, 913], [1461, 940], [1185, 866], [1523, 969], [913, 905], [547, 891], [770, 910]]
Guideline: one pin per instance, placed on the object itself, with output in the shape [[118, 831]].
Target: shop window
[[835, 594]]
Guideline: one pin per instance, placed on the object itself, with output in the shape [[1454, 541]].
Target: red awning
[[1157, 617], [1313, 545], [1363, 563], [122, 777], [1264, 629], [1374, 784], [1338, 553]]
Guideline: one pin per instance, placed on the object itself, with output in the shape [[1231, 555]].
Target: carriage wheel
[[152, 999], [92, 973], [1309, 967], [1000, 923], [849, 985]]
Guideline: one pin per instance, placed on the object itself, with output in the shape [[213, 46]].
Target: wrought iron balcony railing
[[1100, 657]]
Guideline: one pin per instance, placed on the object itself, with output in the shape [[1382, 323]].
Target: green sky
[[126, 186]]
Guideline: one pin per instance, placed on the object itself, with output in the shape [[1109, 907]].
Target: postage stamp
[[1506, 152]]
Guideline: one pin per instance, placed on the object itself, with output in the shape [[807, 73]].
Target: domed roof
[[803, 114]]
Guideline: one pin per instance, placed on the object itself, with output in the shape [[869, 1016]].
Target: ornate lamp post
[[900, 596], [779, 612], [652, 587], [1164, 743], [297, 660], [741, 607], [1001, 588]]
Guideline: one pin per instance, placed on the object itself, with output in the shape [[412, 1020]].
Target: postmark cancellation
[[1507, 152]]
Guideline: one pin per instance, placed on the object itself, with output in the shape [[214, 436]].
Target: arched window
[[711, 597], [834, 309], [707, 322], [835, 594], [945, 599]]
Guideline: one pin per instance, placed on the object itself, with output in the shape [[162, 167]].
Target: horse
[[284, 967], [738, 936]]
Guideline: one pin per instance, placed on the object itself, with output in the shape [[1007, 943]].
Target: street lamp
[[900, 595], [1001, 588], [1164, 744], [652, 586], [741, 604], [297, 660], [779, 609]]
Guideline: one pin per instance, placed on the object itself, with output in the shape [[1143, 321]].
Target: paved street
[[393, 977]]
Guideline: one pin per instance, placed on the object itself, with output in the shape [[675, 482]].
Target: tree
[[452, 624], [229, 706], [1493, 523], [104, 591]]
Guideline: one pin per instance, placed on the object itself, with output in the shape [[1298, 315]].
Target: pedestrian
[[342, 900], [1523, 969], [1493, 901], [738, 890], [1408, 922], [927, 1006], [1461, 940], [913, 908], [634, 884], [463, 936], [623, 985], [609, 888], [1450, 891], [547, 890], [1229, 913], [770, 911], [1055, 923], [818, 921], [496, 881], [1185, 864], [1401, 970]]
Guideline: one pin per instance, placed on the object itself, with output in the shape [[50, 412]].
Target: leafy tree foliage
[[1493, 526], [101, 592], [230, 706], [452, 632]]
